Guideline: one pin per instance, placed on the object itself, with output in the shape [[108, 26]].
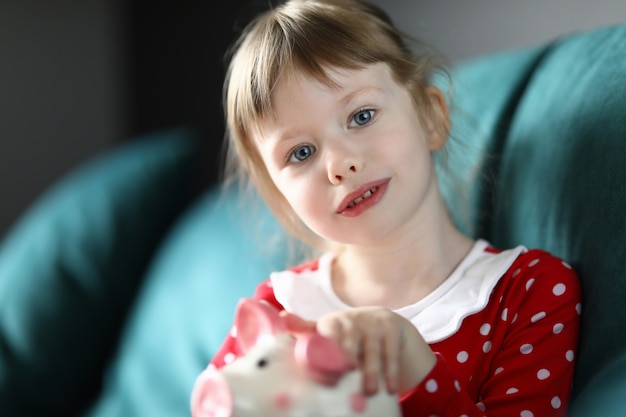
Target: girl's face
[[353, 161]]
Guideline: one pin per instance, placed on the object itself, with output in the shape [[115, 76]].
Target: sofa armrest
[[70, 268]]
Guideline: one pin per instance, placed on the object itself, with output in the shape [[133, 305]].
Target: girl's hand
[[380, 341]]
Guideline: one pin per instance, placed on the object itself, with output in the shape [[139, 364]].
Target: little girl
[[335, 122]]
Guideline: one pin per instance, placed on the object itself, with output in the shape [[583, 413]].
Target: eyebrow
[[359, 92]]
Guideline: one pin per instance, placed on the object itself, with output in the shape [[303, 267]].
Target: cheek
[[411, 150], [282, 401], [302, 193]]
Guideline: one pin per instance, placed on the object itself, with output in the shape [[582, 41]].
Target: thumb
[[296, 325]]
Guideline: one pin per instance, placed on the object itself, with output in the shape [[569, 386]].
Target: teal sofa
[[118, 285]]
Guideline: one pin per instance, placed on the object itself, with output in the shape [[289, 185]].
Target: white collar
[[439, 315]]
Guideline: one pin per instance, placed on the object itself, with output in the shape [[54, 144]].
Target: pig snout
[[212, 396]]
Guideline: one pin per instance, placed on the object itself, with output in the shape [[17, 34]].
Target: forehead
[[341, 87], [297, 91], [336, 80]]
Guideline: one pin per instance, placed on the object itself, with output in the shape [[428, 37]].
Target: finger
[[372, 367], [391, 359], [331, 326], [350, 337], [344, 331]]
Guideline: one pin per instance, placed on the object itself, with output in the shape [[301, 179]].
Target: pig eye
[[262, 363]]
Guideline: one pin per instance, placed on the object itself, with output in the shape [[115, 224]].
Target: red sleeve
[[528, 368], [440, 393]]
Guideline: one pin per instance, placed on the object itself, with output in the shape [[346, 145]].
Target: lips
[[365, 195], [363, 198]]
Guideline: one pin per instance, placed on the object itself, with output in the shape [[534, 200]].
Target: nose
[[211, 396], [342, 163]]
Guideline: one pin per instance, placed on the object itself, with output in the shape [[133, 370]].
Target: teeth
[[365, 195]]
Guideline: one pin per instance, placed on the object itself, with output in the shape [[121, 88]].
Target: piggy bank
[[282, 375]]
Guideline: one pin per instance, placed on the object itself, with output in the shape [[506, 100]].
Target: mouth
[[363, 198], [365, 195]]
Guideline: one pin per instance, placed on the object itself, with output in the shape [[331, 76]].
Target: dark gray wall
[[463, 29], [61, 92]]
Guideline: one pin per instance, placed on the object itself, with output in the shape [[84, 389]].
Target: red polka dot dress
[[504, 327]]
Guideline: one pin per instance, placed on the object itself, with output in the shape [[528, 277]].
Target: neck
[[399, 273]]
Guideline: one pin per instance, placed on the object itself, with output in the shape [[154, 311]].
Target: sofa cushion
[[221, 249], [604, 393], [71, 266], [485, 93], [563, 181]]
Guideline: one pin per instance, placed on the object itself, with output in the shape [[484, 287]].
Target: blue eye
[[301, 153], [362, 117]]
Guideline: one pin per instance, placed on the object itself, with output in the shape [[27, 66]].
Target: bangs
[[307, 39]]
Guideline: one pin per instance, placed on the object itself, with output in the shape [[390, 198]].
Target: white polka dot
[[516, 272], [558, 328], [229, 357], [485, 329], [505, 314], [481, 406], [543, 374], [462, 356], [464, 415], [566, 265], [525, 349], [526, 413], [512, 391], [530, 283], [233, 331], [556, 403], [498, 371], [569, 355], [538, 316], [487, 346], [533, 262], [559, 289], [579, 308], [514, 318], [431, 386], [457, 386], [211, 367]]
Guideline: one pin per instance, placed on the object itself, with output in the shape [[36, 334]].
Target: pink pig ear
[[256, 320], [323, 358]]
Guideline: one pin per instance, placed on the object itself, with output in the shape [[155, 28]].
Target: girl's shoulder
[[491, 282], [540, 280], [539, 267]]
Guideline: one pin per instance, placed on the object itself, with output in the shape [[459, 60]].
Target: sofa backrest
[[559, 163]]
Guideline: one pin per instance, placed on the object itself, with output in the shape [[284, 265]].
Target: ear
[[256, 320], [437, 118]]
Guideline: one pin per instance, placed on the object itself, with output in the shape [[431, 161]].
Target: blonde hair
[[310, 37]]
